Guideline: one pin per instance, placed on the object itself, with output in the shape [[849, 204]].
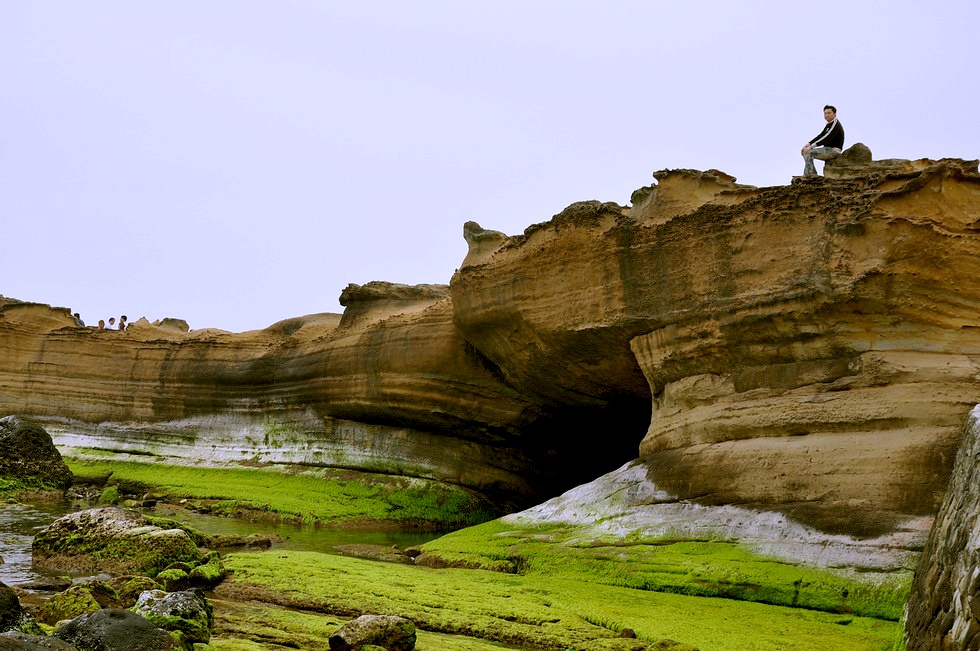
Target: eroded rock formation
[[808, 351], [943, 612]]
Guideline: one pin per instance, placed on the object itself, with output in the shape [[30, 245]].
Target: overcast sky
[[236, 163]]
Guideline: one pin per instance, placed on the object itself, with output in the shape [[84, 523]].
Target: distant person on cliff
[[78, 319], [122, 322], [101, 324], [111, 324], [828, 143]]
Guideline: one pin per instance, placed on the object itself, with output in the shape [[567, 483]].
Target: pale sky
[[235, 163]]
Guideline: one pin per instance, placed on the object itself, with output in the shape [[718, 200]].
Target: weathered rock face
[[808, 351], [394, 388], [943, 612]]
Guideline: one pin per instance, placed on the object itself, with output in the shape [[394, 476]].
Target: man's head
[[829, 113]]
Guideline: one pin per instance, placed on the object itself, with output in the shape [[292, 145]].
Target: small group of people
[[826, 145], [112, 323]]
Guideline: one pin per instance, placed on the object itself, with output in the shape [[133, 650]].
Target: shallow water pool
[[19, 523]]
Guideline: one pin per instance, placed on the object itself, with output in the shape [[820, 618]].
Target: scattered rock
[[174, 580], [133, 587], [76, 600], [376, 552], [46, 584], [11, 612], [207, 575], [115, 629], [111, 540], [387, 631], [187, 612], [17, 641], [27, 453]]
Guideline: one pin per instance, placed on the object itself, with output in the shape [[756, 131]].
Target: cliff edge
[[807, 353]]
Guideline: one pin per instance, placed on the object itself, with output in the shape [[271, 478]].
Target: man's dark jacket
[[831, 136]]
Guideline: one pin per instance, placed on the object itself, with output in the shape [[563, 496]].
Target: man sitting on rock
[[828, 143]]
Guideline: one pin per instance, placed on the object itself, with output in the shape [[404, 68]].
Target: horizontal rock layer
[[809, 349], [806, 352]]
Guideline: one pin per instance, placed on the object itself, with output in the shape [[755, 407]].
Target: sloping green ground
[[525, 587], [319, 496], [540, 611]]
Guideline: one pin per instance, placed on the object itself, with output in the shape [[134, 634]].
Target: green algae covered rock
[[134, 587], [186, 613], [28, 457], [387, 631], [173, 579], [76, 600], [208, 574], [111, 540]]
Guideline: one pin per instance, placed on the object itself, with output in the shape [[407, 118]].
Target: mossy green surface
[[76, 600], [173, 580], [147, 553], [697, 568], [540, 611], [12, 489], [110, 495], [329, 497], [549, 589]]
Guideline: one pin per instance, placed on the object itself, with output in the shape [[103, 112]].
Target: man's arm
[[816, 142]]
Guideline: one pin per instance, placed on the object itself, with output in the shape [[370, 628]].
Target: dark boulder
[[27, 454], [16, 641], [11, 612], [115, 629]]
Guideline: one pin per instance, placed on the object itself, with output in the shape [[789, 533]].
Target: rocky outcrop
[[943, 612], [385, 631], [115, 629], [28, 455], [806, 352], [391, 388], [111, 540], [809, 350]]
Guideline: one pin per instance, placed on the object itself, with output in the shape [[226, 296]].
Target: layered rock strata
[[395, 391], [808, 351]]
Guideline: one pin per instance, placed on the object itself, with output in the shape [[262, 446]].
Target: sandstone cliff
[[809, 351]]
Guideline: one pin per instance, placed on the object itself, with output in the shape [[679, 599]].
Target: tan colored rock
[[390, 387], [808, 352], [810, 349]]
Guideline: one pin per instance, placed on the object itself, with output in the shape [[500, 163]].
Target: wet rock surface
[[111, 540]]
